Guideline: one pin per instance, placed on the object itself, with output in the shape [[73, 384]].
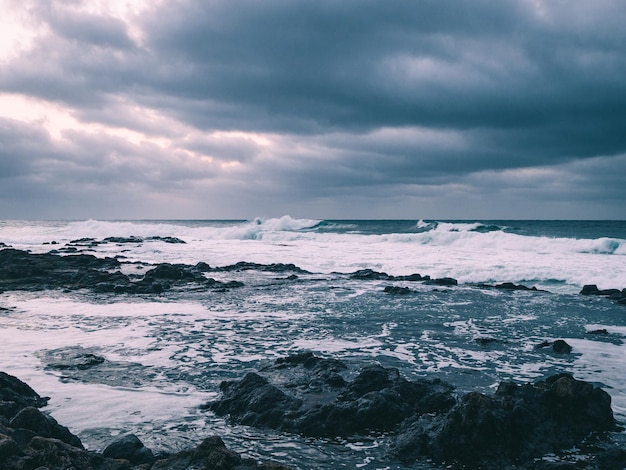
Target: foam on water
[[165, 355], [469, 252]]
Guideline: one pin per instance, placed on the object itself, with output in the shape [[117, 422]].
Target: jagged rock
[[212, 454], [411, 277], [129, 447], [315, 401], [31, 419], [172, 240], [20, 270], [511, 286], [33, 440], [443, 281], [369, 275], [15, 395], [561, 347], [517, 424], [397, 290], [273, 268]]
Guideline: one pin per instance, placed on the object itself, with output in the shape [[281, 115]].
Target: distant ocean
[[169, 352]]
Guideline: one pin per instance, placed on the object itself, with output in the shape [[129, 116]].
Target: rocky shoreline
[[31, 439], [423, 420], [22, 270]]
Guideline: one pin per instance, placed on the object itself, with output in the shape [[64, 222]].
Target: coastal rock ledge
[[423, 420], [31, 439]]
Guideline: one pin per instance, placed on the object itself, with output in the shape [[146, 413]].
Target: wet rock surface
[[516, 425], [619, 296], [21, 270], [31, 439], [307, 395], [424, 419]]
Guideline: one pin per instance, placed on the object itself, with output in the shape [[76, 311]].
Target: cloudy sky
[[326, 109]]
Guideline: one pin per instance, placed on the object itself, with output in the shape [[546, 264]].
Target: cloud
[[324, 105]]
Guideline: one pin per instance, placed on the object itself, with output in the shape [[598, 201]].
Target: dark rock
[[443, 281], [561, 347], [203, 267], [590, 289], [172, 240], [8, 447], [173, 272], [411, 277], [31, 419], [253, 401], [212, 454], [32, 440], [273, 268], [122, 240], [612, 459], [511, 286], [602, 331], [486, 341], [369, 275], [15, 395], [321, 403], [397, 290], [516, 425], [129, 447], [79, 360]]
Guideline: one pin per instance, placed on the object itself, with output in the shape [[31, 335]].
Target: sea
[[166, 354]]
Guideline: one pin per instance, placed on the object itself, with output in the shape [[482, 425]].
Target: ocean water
[[166, 354]]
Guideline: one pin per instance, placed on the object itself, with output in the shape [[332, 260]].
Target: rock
[[15, 395], [486, 341], [8, 447], [602, 331], [34, 440], [172, 240], [443, 281], [517, 424], [273, 268], [31, 419], [590, 289], [253, 401], [561, 347], [80, 361], [129, 447], [411, 277], [369, 275], [397, 290], [308, 396], [511, 286], [212, 454]]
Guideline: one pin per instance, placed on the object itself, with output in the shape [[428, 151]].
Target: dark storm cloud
[[356, 96]]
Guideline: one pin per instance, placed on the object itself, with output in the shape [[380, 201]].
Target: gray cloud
[[362, 101]]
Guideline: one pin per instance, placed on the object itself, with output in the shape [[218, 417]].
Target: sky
[[351, 109]]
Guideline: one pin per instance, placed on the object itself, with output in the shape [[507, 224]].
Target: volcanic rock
[[517, 424]]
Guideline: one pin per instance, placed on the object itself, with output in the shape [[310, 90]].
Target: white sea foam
[[440, 249]]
